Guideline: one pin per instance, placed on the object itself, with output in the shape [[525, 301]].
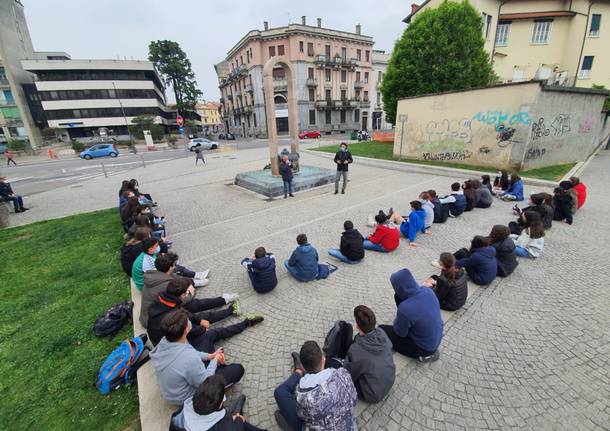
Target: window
[[272, 51], [312, 117], [344, 54], [486, 25], [357, 94], [587, 64], [241, 59], [328, 121], [379, 75], [378, 97], [366, 77], [254, 119], [343, 94], [280, 50], [359, 54], [342, 117], [502, 33], [327, 95], [327, 51], [327, 75], [343, 76], [310, 72], [357, 76], [595, 22], [301, 48], [356, 115], [541, 32], [312, 95], [310, 49], [366, 96], [367, 56]]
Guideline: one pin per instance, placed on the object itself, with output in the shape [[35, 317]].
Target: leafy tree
[[77, 146], [146, 122], [441, 50], [607, 101], [16, 144], [175, 68]]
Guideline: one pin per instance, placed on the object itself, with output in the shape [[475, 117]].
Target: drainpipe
[[584, 38], [493, 50]]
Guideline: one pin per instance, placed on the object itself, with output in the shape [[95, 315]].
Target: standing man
[[286, 172], [199, 155], [343, 158], [7, 195], [9, 157]]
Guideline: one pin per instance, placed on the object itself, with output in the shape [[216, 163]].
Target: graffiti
[[498, 118], [539, 129], [484, 150], [561, 125], [535, 153], [448, 155], [453, 130], [585, 126]]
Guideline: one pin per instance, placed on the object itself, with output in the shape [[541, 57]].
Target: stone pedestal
[[264, 183]]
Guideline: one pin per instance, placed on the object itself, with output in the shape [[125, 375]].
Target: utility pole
[[124, 117]]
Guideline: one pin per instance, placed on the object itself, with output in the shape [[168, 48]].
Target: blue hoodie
[[481, 266], [416, 223], [419, 314], [262, 273], [304, 259], [516, 189]]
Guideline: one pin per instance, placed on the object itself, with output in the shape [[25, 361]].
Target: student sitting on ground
[[352, 245], [411, 225], [418, 328], [451, 286], [303, 263], [456, 201], [506, 258], [531, 240], [486, 182], [206, 410], [536, 205], [469, 194], [261, 270], [316, 398], [428, 207], [479, 262], [501, 182], [514, 191], [386, 237], [569, 188], [549, 210], [441, 212], [563, 204], [482, 194], [581, 191]]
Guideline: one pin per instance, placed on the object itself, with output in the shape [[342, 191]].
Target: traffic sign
[[180, 121], [181, 130]]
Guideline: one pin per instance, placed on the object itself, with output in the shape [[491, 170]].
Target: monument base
[[264, 183]]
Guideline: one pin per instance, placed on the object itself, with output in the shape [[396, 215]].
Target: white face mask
[[189, 326]]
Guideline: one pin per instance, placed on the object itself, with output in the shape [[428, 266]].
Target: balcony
[[222, 100], [336, 61], [280, 84], [312, 82], [237, 93], [365, 104], [8, 103], [13, 122], [249, 88], [230, 97], [323, 104], [359, 84], [378, 85]]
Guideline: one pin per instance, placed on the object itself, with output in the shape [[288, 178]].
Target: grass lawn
[[57, 277], [382, 150]]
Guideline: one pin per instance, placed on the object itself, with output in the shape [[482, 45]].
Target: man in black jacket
[[8, 195], [261, 270], [286, 172], [352, 248], [343, 158]]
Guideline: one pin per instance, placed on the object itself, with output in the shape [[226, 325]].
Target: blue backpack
[[121, 366]]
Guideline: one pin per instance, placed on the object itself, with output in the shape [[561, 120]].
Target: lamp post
[[124, 117]]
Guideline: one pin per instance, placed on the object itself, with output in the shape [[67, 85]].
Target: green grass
[[384, 151], [57, 277]]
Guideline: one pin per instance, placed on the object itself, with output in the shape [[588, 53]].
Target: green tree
[[175, 68], [441, 50], [607, 101], [146, 122], [16, 145]]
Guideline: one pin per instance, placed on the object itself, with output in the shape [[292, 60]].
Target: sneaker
[[281, 422], [296, 362], [331, 268], [291, 195], [342, 192], [230, 297], [236, 307], [24, 209], [336, 192], [200, 283], [254, 318], [285, 197], [433, 357], [202, 275], [435, 263]]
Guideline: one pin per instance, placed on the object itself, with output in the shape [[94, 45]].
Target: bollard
[[143, 162], [104, 169]]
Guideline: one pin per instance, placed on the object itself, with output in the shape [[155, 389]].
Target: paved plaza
[[528, 352]]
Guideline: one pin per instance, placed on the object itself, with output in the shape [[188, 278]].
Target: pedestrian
[[9, 157], [286, 172], [7, 195], [343, 158], [199, 155]]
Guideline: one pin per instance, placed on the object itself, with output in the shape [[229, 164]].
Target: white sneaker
[[202, 275], [201, 283], [436, 263], [230, 297]]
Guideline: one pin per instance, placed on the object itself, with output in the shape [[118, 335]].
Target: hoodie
[[428, 208], [581, 194], [483, 197], [386, 235], [441, 212], [563, 204], [262, 273], [352, 245], [160, 307], [304, 260], [419, 315], [506, 257], [155, 283], [179, 369], [414, 224], [516, 189], [370, 362], [481, 265]]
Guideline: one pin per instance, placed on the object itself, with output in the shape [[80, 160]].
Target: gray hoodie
[[370, 362], [155, 282], [180, 370]]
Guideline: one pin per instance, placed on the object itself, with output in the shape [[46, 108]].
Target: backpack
[[338, 340], [113, 319], [121, 365]]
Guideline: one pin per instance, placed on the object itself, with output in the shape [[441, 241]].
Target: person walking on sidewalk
[[9, 158], [199, 155], [343, 158], [286, 172]]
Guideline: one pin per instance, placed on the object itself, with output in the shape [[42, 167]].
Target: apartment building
[[334, 79], [563, 41], [210, 115], [380, 65]]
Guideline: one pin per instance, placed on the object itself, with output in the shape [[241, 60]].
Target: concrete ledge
[[264, 183]]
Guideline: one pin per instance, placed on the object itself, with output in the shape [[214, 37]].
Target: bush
[[16, 145], [353, 135], [171, 140], [77, 146]]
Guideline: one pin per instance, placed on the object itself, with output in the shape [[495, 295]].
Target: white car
[[203, 143]]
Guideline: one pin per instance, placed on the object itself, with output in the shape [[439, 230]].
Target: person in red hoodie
[[580, 189], [386, 237]]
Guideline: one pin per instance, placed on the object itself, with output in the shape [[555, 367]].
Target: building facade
[[377, 114], [210, 115], [563, 41], [334, 79]]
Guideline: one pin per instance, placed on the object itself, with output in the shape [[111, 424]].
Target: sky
[[205, 30]]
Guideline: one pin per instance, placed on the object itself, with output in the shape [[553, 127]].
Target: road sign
[[180, 121], [181, 130]]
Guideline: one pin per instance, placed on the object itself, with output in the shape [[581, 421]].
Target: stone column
[[270, 114], [293, 113]]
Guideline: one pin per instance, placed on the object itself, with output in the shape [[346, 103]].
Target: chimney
[[320, 22], [414, 8], [358, 29], [266, 25], [304, 20]]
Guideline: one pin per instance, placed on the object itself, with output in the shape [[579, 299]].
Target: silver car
[[203, 143]]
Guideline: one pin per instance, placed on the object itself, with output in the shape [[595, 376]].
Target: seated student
[[549, 210], [411, 225], [206, 410], [486, 182], [469, 194], [261, 270], [441, 212], [482, 194], [536, 205], [562, 204], [316, 398], [123, 198], [428, 207], [418, 328], [569, 188], [157, 281], [386, 237], [531, 240], [351, 248], [514, 191], [479, 262], [132, 249], [456, 201], [303, 263], [8, 195], [451, 286], [135, 187], [501, 182], [506, 258], [580, 189]]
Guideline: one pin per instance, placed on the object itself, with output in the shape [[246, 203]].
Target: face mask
[[158, 249], [189, 325], [343, 149]]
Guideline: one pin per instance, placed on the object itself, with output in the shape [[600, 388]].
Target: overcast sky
[[205, 29]]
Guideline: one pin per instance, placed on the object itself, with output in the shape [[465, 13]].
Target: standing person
[[9, 157], [199, 155], [352, 245], [286, 172], [8, 195], [343, 158]]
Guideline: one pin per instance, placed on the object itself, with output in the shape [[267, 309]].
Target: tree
[[175, 68], [606, 106], [441, 50], [16, 145], [146, 122]]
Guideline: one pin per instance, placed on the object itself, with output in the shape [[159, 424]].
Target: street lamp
[[116, 93]]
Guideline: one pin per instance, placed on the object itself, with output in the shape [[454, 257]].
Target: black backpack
[[113, 319], [338, 340]]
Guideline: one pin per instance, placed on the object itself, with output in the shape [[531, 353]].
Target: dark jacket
[[286, 171], [158, 310], [304, 259], [470, 196], [342, 156], [451, 295], [441, 212], [547, 218], [506, 258], [370, 362], [129, 253], [216, 421], [155, 283], [5, 189], [457, 208], [563, 207], [483, 197], [481, 265], [262, 273], [352, 245]]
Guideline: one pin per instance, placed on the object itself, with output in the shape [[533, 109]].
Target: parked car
[[227, 136], [203, 143], [100, 150], [310, 134]]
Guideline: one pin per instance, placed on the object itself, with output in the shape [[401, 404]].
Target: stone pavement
[[527, 352]]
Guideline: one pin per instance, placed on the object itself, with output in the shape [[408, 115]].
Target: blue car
[[99, 150]]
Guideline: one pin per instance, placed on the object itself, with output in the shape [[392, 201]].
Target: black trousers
[[461, 253], [404, 345]]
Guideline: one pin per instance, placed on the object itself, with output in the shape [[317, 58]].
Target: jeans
[[287, 187], [9, 160], [368, 245], [199, 158], [404, 345], [522, 252], [184, 271], [287, 401], [338, 176], [334, 252], [17, 201]]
